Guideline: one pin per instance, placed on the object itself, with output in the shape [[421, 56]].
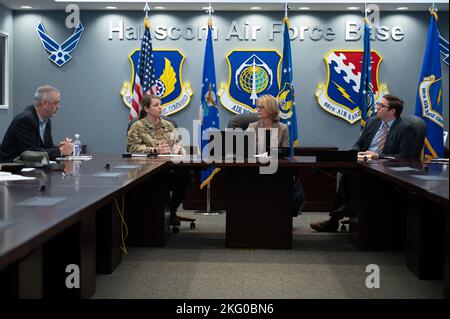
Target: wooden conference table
[[59, 219], [396, 205]]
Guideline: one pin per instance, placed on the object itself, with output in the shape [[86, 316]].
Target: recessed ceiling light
[[159, 8], [26, 7], [304, 8], [402, 8], [353, 8], [255, 8], [111, 8]]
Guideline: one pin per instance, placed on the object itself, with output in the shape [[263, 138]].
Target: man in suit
[[385, 135], [31, 129]]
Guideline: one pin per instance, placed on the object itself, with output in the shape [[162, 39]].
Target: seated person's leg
[[179, 181], [339, 211]]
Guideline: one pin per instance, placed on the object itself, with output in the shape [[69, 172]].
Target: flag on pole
[[429, 93], [286, 96], [366, 99], [209, 107], [144, 79]]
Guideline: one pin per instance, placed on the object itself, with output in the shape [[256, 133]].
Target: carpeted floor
[[195, 264]]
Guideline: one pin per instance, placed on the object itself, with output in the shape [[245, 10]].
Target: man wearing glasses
[[385, 135], [31, 129]]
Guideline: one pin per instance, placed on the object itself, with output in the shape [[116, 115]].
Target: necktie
[[383, 139], [42, 130]]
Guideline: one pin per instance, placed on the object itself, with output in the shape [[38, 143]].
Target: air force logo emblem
[[251, 74], [59, 53], [339, 95], [174, 94]]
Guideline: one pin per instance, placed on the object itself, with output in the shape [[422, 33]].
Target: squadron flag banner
[[366, 101], [286, 96], [169, 87], [209, 109], [429, 93], [251, 73], [340, 94]]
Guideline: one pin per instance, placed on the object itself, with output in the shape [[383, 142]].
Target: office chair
[[242, 120], [420, 127]]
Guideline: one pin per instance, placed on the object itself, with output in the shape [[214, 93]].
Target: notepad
[[430, 177], [7, 177], [41, 201], [127, 166], [75, 158], [403, 169], [107, 174]]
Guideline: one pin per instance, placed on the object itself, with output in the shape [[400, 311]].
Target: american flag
[[145, 76]]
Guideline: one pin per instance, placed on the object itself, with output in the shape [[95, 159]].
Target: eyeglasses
[[381, 105]]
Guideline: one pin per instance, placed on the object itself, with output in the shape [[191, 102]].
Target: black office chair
[[242, 120], [421, 128]]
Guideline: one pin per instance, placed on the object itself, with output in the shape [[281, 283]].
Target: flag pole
[[146, 9], [208, 211]]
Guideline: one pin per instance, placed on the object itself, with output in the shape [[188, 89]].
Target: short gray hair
[[43, 94]]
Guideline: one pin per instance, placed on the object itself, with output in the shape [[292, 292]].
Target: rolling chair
[[242, 120], [179, 219], [421, 128]]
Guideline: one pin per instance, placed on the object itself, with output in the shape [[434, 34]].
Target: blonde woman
[[269, 119]]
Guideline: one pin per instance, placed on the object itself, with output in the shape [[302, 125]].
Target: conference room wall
[[6, 26], [90, 83]]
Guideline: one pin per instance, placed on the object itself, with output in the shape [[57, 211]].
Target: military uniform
[[144, 137]]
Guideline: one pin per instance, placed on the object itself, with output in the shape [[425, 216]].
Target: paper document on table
[[430, 177], [263, 155], [75, 158], [6, 177], [403, 169], [128, 166], [170, 155], [107, 174], [440, 160]]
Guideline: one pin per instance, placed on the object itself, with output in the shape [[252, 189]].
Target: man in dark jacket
[[385, 135], [31, 129]]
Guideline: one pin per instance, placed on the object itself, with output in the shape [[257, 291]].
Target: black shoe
[[339, 213], [329, 225]]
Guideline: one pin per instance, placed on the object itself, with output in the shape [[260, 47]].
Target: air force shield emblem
[[60, 53], [251, 73], [174, 94], [339, 95]]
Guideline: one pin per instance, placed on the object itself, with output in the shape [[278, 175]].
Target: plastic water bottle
[[77, 146]]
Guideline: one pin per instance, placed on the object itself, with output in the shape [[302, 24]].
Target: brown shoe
[[325, 226]]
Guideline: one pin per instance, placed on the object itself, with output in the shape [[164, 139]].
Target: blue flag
[[209, 107], [366, 99], [429, 93], [286, 97]]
